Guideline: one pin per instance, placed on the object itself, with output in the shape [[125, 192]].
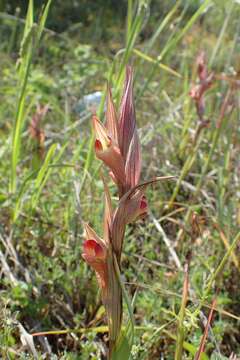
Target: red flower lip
[[92, 248], [116, 142], [98, 145], [95, 254], [143, 203], [108, 151]]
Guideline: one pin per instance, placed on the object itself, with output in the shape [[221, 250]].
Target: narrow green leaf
[[24, 64], [24, 68], [187, 346], [181, 315], [188, 25], [125, 343], [43, 19], [46, 171]]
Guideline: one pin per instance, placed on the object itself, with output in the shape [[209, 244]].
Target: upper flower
[[117, 143], [108, 151], [205, 82]]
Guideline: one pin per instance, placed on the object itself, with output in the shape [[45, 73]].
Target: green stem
[[181, 315], [217, 272], [129, 19], [222, 264], [185, 171], [125, 295]]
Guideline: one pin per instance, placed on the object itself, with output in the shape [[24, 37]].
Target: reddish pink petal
[[95, 254], [91, 234], [143, 203], [194, 92], [107, 212], [108, 151], [132, 205], [92, 248], [98, 145], [102, 138], [205, 82], [136, 207], [113, 159], [129, 210], [133, 163], [202, 66], [111, 116], [127, 122]]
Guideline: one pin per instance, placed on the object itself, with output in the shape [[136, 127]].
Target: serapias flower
[[36, 133], [205, 82], [117, 143], [95, 254], [107, 150], [128, 135]]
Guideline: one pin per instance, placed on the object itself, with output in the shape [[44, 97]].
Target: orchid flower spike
[[117, 143], [197, 92]]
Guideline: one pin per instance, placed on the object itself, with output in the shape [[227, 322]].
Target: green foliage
[[31, 38]]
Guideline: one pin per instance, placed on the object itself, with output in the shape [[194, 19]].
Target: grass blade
[[45, 172], [124, 346], [180, 332], [43, 19], [25, 60], [24, 64]]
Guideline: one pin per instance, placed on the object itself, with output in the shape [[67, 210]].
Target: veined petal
[[111, 118], [108, 211], [129, 210], [108, 151], [132, 206], [127, 121], [91, 234], [92, 249], [96, 256], [35, 130], [202, 66], [133, 162], [137, 208], [113, 159], [102, 137]]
